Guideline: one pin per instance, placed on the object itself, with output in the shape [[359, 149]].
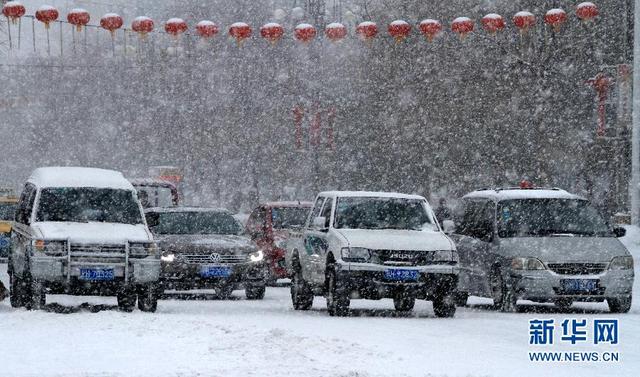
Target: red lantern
[[111, 22], [272, 32], [305, 33], [78, 17], [13, 10], [175, 26], [240, 31], [142, 25], [524, 21], [399, 30], [526, 185], [430, 28], [206, 29], [587, 11], [367, 30], [47, 14], [493, 23], [555, 18], [335, 31], [462, 26]]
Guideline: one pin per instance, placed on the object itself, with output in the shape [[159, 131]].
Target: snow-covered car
[[82, 231], [205, 248], [372, 245], [543, 245]]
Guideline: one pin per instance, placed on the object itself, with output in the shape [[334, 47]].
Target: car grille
[[577, 268], [402, 257], [208, 259], [97, 251]]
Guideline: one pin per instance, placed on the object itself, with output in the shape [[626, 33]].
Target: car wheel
[[148, 298], [224, 292], [254, 293], [504, 298], [619, 304], [461, 298], [336, 295], [126, 299], [17, 291], [403, 303], [3, 292], [301, 294], [563, 303], [444, 306], [36, 295]]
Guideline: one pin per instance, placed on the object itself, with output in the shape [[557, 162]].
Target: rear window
[[288, 217]]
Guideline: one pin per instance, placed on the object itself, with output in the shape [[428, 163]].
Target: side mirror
[[448, 226], [319, 222], [619, 231]]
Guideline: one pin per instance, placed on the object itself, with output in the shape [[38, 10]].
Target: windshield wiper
[[545, 232]]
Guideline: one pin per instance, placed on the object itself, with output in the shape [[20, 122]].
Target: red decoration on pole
[[13, 10], [525, 184], [430, 28], [367, 30], [314, 128], [493, 23], [111, 22], [175, 27], [240, 31], [47, 14], [462, 26], [330, 122], [524, 21], [601, 84], [587, 11], [206, 29], [298, 116], [272, 32], [305, 33], [399, 30], [142, 25], [555, 18], [78, 17], [335, 31]]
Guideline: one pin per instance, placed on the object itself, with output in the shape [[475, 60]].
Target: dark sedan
[[205, 248]]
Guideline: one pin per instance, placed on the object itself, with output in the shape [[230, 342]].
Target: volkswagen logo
[[215, 257]]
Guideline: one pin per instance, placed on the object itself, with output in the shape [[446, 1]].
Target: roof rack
[[531, 188]]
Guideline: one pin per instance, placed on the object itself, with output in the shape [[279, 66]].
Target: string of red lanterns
[[399, 29]]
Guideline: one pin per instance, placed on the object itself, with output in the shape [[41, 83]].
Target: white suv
[[82, 231], [372, 245]]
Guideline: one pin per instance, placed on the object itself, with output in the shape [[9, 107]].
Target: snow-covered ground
[[86, 336]]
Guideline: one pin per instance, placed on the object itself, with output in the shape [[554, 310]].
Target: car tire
[[126, 299], [301, 294], [17, 291], [504, 297], [461, 298], [620, 304], [403, 303], [563, 303], [337, 296], [148, 298], [254, 292], [224, 292], [444, 306], [36, 297]]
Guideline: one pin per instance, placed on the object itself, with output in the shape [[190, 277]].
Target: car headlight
[[49, 247], [142, 249], [527, 264], [355, 254], [445, 256], [168, 257], [257, 256], [621, 263]]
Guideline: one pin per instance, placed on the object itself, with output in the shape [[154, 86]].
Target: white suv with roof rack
[[372, 245], [543, 245], [82, 231]]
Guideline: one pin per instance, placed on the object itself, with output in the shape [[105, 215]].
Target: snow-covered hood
[[205, 243], [391, 239], [92, 232], [564, 249]]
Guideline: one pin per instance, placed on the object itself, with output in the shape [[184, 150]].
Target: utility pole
[[635, 132]]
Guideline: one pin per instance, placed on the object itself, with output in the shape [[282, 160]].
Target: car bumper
[[545, 285], [184, 276], [368, 281]]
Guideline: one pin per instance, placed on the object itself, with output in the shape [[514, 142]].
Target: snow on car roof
[[370, 194], [150, 182], [288, 204], [507, 194], [184, 209], [65, 176]]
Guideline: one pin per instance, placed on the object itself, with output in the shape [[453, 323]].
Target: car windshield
[[194, 223], [89, 204], [544, 217], [382, 213], [7, 211], [288, 217]]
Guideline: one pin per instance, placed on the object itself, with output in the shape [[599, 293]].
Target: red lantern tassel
[[298, 114]]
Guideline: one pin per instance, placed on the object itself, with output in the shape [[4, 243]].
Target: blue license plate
[[4, 242], [401, 275], [579, 285], [97, 274], [215, 272]]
